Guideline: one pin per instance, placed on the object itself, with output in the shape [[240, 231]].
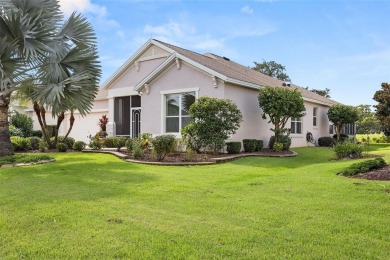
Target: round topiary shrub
[[79, 145], [37, 133], [69, 141], [108, 142], [34, 142], [62, 147], [20, 143], [326, 141], [233, 147], [284, 139], [259, 145], [249, 145]]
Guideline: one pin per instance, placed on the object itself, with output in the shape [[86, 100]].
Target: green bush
[[43, 146], [191, 139], [109, 142], [95, 143], [23, 122], [20, 143], [62, 147], [37, 133], [13, 131], [34, 142], [249, 145], [119, 142], [343, 137], [79, 145], [347, 149], [129, 145], [326, 141], [214, 120], [190, 156], [138, 148], [278, 147], [259, 145], [284, 139], [69, 141], [233, 147], [163, 145], [361, 167]]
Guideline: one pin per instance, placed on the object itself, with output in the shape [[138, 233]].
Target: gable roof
[[239, 72]]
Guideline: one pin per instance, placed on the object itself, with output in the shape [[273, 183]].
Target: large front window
[[177, 111], [296, 125]]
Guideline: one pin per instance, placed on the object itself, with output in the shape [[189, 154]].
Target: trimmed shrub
[[259, 145], [109, 142], [249, 145], [37, 133], [79, 145], [95, 143], [137, 148], [361, 167], [129, 145], [13, 131], [34, 142], [284, 139], [326, 141], [23, 122], [43, 146], [163, 145], [20, 143], [278, 147], [190, 156], [119, 142], [233, 147], [347, 149], [69, 141], [62, 147]]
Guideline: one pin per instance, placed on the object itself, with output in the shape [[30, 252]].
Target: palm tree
[[54, 63]]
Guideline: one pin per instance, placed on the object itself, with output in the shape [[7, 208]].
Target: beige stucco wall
[[132, 76], [252, 126], [187, 77], [100, 104]]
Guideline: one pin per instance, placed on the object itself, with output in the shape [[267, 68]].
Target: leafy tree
[[54, 63], [22, 122], [367, 123], [341, 115], [214, 121], [272, 69], [280, 104], [383, 107]]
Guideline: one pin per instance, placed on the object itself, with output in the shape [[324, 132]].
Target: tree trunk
[[71, 122], [5, 142]]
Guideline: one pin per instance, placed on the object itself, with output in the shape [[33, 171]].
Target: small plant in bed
[[23, 158], [362, 167]]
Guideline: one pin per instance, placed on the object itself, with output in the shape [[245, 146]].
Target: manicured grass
[[97, 206]]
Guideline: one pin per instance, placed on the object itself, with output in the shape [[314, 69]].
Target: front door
[[135, 121]]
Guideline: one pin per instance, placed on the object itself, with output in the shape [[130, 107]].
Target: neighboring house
[[152, 91]]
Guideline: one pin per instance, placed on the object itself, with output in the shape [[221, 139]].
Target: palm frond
[[78, 30]]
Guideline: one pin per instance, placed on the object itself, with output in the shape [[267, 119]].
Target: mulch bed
[[382, 174]]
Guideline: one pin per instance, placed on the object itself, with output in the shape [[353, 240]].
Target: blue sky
[[340, 45]]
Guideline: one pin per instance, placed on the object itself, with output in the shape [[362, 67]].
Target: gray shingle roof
[[237, 71]]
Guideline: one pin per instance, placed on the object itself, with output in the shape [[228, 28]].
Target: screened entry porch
[[127, 116]]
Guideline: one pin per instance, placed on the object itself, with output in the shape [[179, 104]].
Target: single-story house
[[150, 92]]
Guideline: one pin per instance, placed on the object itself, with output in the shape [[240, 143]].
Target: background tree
[[214, 121], [272, 69], [341, 115], [383, 107], [280, 104], [55, 63], [367, 123]]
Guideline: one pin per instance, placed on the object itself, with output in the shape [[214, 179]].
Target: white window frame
[[295, 120], [163, 105], [315, 116]]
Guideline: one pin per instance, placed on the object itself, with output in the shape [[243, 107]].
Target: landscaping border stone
[[212, 160]]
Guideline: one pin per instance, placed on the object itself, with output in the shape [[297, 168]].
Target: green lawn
[[97, 206]]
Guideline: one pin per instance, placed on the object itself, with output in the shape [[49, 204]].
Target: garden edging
[[26, 164]]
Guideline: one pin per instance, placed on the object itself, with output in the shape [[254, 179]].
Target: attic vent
[[226, 58], [286, 84]]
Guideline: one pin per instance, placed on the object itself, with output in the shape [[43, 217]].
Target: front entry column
[[111, 121]]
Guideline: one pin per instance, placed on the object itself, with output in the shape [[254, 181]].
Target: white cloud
[[82, 6], [247, 9]]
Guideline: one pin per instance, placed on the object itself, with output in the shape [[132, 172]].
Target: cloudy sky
[[335, 44]]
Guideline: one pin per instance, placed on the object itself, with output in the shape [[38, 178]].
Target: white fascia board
[[243, 83], [162, 46], [317, 101], [154, 73], [121, 92]]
